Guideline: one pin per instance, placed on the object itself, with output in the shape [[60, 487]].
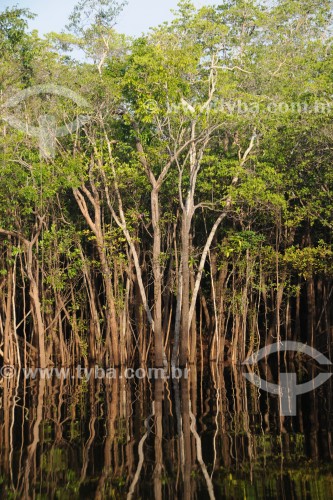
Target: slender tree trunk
[[184, 337], [8, 321], [158, 347]]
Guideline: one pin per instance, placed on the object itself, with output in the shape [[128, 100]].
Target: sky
[[137, 17]]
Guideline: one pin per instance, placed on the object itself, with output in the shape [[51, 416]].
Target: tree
[[93, 21]]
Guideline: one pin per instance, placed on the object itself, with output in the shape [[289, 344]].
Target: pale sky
[[136, 18]]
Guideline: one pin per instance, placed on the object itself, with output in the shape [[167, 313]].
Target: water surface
[[211, 436]]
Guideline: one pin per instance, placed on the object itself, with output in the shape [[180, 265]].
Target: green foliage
[[309, 260], [13, 27], [99, 13], [239, 242]]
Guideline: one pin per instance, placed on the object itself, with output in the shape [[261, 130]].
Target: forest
[[166, 201], [190, 216]]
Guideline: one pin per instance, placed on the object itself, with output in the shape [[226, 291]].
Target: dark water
[[211, 436]]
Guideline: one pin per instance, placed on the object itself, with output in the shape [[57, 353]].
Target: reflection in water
[[211, 436]]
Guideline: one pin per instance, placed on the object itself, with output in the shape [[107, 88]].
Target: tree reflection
[[212, 435]]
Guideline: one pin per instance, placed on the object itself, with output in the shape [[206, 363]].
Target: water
[[211, 436]]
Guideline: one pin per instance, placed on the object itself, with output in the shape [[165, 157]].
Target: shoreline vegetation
[[167, 228], [166, 215]]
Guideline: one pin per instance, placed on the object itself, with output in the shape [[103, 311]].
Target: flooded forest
[[166, 254]]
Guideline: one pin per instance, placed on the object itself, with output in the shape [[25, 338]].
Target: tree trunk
[[157, 279]]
